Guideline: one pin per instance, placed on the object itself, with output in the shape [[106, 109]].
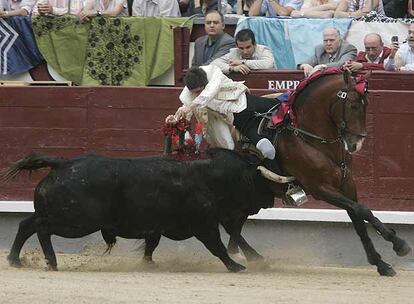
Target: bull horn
[[275, 177]]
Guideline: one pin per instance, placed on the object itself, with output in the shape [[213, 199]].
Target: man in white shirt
[[402, 58], [153, 8], [247, 56]]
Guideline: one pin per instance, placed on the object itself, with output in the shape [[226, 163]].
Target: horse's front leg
[[374, 258], [358, 214]]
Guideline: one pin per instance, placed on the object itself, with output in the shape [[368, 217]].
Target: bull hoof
[[236, 267], [386, 271], [402, 249], [14, 262]]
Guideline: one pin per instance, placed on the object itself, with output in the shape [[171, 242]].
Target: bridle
[[342, 97]]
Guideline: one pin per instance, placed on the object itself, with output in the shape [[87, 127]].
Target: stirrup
[[294, 196]]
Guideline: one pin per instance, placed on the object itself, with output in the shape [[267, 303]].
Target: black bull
[[143, 198]]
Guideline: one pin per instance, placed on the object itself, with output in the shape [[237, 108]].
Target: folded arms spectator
[[215, 44], [358, 8], [402, 58], [10, 8], [247, 56], [334, 52], [316, 9], [373, 57], [156, 8], [274, 8]]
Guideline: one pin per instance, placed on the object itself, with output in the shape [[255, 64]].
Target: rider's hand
[[184, 111], [170, 120]]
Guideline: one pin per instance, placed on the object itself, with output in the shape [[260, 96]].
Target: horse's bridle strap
[[322, 140]]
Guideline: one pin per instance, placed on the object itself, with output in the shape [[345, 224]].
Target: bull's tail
[[31, 162]]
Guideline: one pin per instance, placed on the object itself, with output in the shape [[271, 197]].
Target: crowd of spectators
[[242, 54], [294, 8], [217, 48]]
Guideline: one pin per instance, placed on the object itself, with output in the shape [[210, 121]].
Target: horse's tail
[[31, 162]]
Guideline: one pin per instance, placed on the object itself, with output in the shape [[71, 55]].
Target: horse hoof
[[386, 271], [236, 268], [14, 262], [403, 249]]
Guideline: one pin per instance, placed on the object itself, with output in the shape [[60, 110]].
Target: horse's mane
[[308, 84]]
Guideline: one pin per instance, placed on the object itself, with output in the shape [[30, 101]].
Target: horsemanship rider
[[221, 103]]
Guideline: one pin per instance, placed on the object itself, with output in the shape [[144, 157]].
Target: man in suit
[[215, 44], [373, 57], [334, 52], [247, 56]]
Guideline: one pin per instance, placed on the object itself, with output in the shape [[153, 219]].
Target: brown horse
[[330, 115]]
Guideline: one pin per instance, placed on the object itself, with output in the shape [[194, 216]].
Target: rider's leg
[[247, 123]]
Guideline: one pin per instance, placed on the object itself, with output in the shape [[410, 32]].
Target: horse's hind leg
[[27, 228], [151, 242], [374, 258], [44, 236], [363, 213]]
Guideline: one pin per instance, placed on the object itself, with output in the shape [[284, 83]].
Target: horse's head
[[349, 113]]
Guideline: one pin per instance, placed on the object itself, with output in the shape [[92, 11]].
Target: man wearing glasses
[[373, 57]]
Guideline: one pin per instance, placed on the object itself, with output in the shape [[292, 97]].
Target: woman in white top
[[16, 8], [110, 8], [317, 9], [358, 8]]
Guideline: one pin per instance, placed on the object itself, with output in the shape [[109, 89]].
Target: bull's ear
[[349, 80]]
